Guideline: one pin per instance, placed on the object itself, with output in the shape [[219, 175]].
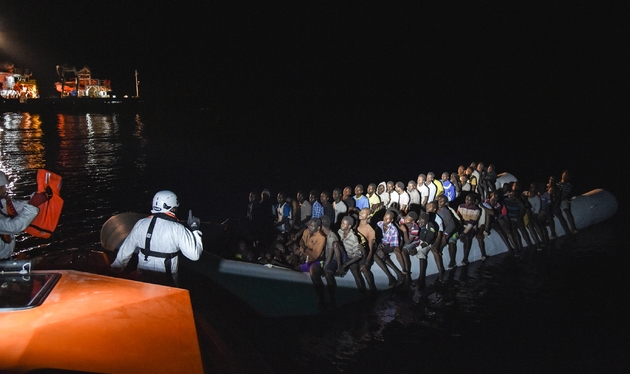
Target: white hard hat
[[3, 179], [164, 201]]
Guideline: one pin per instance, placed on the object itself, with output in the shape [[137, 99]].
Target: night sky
[[551, 75], [484, 61]]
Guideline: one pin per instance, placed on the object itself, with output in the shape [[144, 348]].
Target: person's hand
[[38, 199], [413, 251], [341, 271], [193, 222]]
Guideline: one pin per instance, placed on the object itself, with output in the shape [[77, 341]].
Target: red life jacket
[[49, 212]]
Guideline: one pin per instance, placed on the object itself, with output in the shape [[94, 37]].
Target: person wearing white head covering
[[381, 190], [158, 239]]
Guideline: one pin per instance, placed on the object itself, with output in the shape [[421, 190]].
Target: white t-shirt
[[403, 200], [424, 192], [394, 197], [432, 191], [305, 210], [414, 196], [340, 208], [384, 198]]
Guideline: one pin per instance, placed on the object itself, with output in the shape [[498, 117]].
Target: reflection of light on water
[[99, 164], [99, 151], [139, 128], [32, 144], [21, 153], [88, 142], [387, 313], [21, 149], [139, 133], [91, 153]]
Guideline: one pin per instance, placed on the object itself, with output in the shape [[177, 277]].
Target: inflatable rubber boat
[[278, 291]]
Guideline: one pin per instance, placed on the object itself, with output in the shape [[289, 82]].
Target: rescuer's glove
[[38, 199], [193, 222], [49, 192]]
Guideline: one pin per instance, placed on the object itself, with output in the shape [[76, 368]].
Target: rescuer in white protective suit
[[158, 239], [15, 216]]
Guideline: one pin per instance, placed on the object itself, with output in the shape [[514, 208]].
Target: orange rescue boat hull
[[96, 323]]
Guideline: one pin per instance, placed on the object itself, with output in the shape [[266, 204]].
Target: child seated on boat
[[246, 251]]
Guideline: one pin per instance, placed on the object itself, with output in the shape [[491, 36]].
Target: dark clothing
[[329, 211], [350, 203], [565, 189], [448, 221], [262, 220], [428, 232], [513, 207]]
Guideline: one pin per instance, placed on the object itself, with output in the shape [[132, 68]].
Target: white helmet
[[3, 179], [164, 201]]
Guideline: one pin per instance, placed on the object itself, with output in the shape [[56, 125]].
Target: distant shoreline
[[70, 104]]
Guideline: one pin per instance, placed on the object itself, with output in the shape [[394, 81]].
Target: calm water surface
[[562, 310]]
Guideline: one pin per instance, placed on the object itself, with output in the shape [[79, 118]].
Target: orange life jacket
[[49, 212]]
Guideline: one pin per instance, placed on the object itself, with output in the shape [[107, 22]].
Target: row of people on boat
[[353, 231], [327, 234]]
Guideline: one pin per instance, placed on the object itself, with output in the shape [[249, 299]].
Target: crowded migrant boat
[[394, 224]]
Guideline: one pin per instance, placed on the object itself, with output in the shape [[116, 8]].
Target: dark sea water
[[561, 310]]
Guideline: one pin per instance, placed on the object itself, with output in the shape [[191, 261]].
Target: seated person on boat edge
[[354, 254], [334, 257], [388, 238], [277, 250]]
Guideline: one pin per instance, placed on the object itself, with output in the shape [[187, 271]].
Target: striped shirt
[[470, 214]]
